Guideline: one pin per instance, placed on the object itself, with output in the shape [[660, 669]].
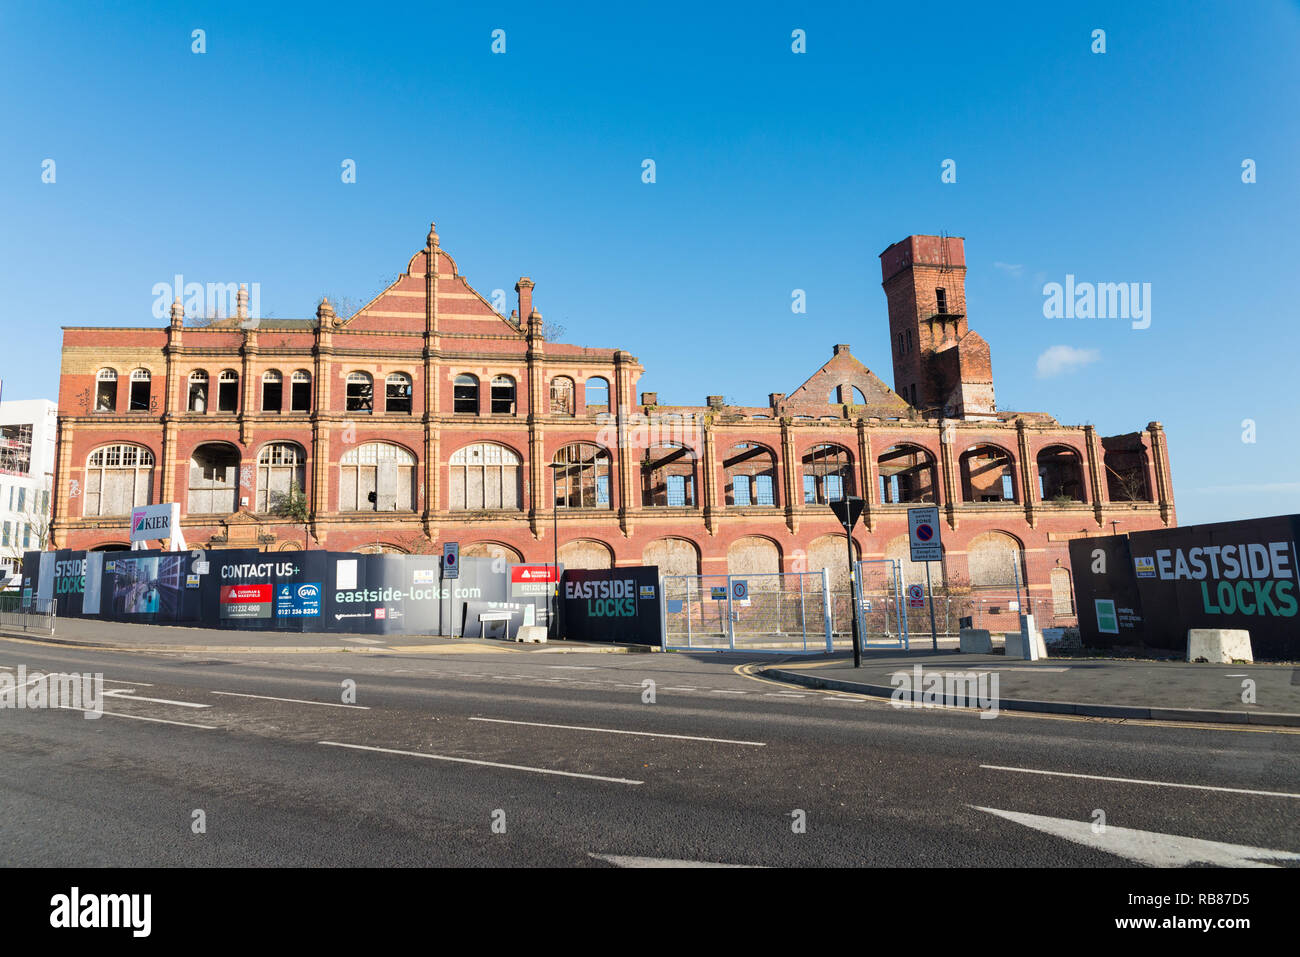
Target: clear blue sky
[[775, 171]]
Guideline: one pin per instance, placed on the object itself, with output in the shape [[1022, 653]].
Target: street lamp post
[[847, 510]]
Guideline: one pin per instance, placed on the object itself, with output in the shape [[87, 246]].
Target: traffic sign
[[718, 592], [740, 590], [450, 559], [847, 510], [915, 596], [923, 534]]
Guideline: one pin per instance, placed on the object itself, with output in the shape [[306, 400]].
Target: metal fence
[[882, 615], [38, 618], [785, 612]]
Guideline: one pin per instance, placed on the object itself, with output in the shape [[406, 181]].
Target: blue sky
[[775, 171]]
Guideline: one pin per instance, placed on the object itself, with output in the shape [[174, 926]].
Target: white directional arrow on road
[[1148, 847]]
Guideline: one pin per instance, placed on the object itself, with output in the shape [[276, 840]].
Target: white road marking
[[572, 667], [1148, 847], [264, 697], [783, 694], [681, 689], [128, 694], [1161, 784], [726, 691], [363, 641], [644, 734], [107, 681], [620, 860], [486, 764], [140, 717]]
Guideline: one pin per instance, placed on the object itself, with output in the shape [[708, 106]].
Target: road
[[545, 759]]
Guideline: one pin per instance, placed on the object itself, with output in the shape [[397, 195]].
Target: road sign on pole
[[923, 534], [450, 559]]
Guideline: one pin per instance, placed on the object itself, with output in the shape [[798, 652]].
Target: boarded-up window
[[753, 556], [118, 478], [585, 554], [1062, 594], [673, 556], [214, 480], [995, 559], [377, 476], [279, 467], [485, 476]]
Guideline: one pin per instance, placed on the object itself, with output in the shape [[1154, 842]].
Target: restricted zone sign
[[923, 534], [915, 596], [451, 559]]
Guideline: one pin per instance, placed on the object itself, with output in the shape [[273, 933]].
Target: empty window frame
[[138, 400], [503, 395], [272, 391], [597, 394], [228, 391], [465, 395], [397, 393], [198, 391], [562, 396], [106, 390], [583, 482], [300, 391], [360, 392]]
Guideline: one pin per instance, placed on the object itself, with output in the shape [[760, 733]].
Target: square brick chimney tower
[[940, 366]]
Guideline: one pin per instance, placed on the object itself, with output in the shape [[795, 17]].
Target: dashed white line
[[1162, 784], [572, 667], [264, 697], [140, 717], [127, 694], [486, 764], [681, 689], [727, 691], [645, 734]]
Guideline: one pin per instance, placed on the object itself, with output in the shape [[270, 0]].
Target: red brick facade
[[683, 487]]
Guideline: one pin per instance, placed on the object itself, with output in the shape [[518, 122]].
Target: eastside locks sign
[[612, 604], [1163, 583]]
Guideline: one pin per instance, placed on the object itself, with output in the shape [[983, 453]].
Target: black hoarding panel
[[1105, 593], [612, 604], [1223, 575]]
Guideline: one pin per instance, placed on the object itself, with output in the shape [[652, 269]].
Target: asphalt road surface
[[525, 759]]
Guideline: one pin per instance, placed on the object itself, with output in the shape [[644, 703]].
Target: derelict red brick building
[[428, 417]]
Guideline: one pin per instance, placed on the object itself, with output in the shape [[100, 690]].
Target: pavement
[[598, 760], [1106, 688]]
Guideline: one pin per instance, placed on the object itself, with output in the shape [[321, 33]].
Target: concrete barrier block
[[1015, 645], [1219, 646], [536, 634], [976, 641]]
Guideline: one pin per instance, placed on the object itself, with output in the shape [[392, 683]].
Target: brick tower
[[940, 366]]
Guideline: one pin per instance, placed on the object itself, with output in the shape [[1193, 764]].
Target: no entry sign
[[923, 534]]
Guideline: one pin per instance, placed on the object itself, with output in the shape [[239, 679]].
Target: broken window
[[214, 480], [1060, 475], [360, 392], [826, 474], [503, 395], [561, 396], [272, 391], [377, 477], [597, 397], [1127, 474], [751, 475], [987, 475], [907, 474], [668, 476], [300, 392], [106, 390], [465, 395], [198, 398], [583, 481], [397, 393], [138, 401], [228, 391]]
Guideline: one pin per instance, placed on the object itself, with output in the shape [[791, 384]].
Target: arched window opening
[[751, 475], [106, 390], [280, 469], [465, 395], [138, 400], [583, 482], [272, 391], [485, 476], [118, 478], [827, 474], [360, 393], [397, 393], [377, 477], [503, 395]]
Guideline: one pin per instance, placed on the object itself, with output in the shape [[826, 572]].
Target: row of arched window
[[359, 393], [381, 476]]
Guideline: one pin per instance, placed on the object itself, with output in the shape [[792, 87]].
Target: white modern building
[[27, 432]]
